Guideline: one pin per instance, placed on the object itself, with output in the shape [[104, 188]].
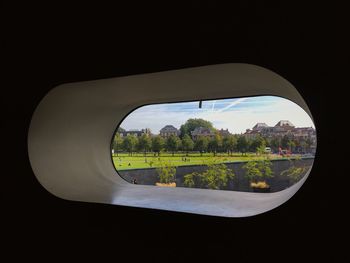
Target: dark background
[[47, 44]]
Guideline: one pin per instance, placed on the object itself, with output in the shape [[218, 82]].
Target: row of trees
[[156, 144], [227, 144]]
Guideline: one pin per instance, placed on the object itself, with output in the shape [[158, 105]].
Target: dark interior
[[48, 44]]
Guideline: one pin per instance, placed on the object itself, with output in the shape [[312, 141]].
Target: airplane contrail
[[234, 103], [212, 109]]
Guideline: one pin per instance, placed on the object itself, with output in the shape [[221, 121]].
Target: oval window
[[251, 144]]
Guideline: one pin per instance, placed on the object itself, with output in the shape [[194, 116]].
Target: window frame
[[74, 123]]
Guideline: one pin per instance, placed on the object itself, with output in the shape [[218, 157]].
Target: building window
[[250, 144]]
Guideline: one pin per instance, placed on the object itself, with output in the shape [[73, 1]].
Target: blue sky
[[237, 114]]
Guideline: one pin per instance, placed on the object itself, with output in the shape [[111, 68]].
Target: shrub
[[215, 177], [258, 170], [295, 173], [166, 172]]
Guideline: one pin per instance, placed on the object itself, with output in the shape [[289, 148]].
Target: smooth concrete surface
[[71, 130]]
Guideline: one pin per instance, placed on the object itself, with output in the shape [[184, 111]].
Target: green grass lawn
[[123, 161]]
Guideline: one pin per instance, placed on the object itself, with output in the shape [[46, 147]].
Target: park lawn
[[138, 161]]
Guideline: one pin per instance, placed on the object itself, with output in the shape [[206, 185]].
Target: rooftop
[[284, 123], [169, 128]]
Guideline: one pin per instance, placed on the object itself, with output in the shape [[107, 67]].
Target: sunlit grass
[[123, 161]]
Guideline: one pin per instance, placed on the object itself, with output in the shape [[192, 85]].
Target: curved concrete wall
[[71, 130], [278, 182]]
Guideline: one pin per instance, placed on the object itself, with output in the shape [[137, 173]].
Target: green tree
[[295, 172], [285, 142], [179, 148], [258, 170], [257, 142], [166, 172], [242, 144], [275, 143], [303, 146], [172, 143], [187, 144], [308, 143], [291, 145], [117, 143], [157, 144], [229, 144], [215, 177], [145, 143], [261, 148], [215, 144], [201, 144], [130, 143], [191, 124]]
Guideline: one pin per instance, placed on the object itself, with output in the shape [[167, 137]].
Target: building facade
[[136, 133], [168, 131], [301, 135], [224, 133], [202, 132]]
